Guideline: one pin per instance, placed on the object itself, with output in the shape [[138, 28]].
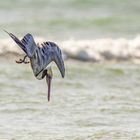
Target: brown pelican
[[40, 56]]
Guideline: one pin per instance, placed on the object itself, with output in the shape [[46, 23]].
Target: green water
[[93, 102], [66, 19]]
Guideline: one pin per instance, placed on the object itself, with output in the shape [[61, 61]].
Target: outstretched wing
[[53, 51], [27, 44], [21, 45]]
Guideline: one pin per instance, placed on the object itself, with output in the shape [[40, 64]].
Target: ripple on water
[[100, 101]]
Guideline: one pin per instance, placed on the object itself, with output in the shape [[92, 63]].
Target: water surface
[[93, 102]]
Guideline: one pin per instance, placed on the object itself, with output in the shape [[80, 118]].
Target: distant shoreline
[[98, 50]]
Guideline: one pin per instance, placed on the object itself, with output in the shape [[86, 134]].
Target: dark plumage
[[40, 57]]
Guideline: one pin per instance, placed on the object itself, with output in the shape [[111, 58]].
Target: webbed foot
[[22, 60]]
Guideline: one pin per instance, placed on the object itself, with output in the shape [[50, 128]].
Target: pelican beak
[[49, 76]]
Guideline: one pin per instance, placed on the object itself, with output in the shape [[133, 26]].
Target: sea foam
[[96, 50]]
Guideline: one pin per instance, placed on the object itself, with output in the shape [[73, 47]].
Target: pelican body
[[40, 57]]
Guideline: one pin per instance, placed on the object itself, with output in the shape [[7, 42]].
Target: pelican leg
[[22, 60]]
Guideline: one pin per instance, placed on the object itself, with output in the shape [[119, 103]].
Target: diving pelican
[[40, 56]]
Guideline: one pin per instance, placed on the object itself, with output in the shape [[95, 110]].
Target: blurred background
[[65, 19], [99, 98]]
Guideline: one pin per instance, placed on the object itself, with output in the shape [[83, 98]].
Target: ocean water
[[93, 102], [66, 19]]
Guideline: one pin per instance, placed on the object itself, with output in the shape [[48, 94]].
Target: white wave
[[88, 50]]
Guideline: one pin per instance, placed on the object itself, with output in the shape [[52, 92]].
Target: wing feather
[[53, 51], [20, 44], [27, 44]]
